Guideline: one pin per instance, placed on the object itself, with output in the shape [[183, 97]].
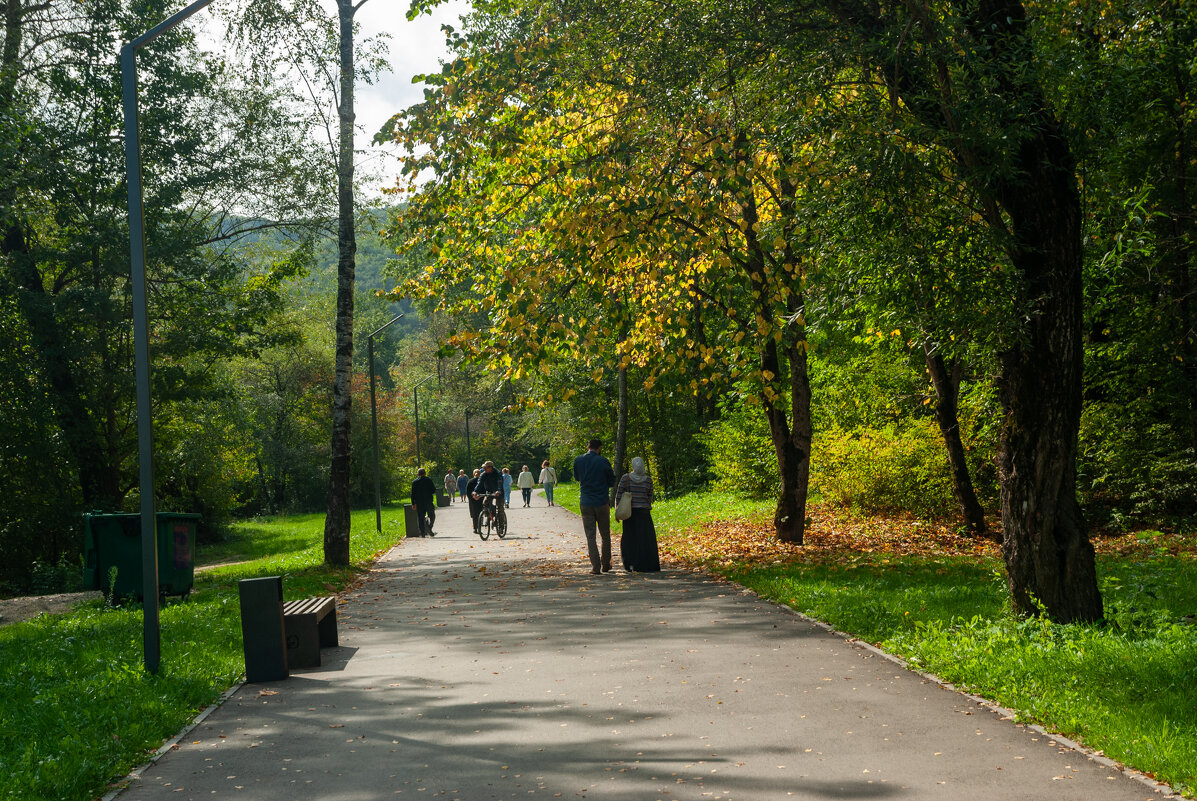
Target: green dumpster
[[114, 540]]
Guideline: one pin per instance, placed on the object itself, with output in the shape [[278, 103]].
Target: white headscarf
[[638, 473]]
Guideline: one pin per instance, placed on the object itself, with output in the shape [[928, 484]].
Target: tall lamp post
[[469, 458], [374, 424], [151, 633], [415, 391]]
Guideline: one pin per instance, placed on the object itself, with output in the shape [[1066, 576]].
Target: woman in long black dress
[[638, 546]]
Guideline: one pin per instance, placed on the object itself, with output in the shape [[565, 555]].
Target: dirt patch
[[14, 610]]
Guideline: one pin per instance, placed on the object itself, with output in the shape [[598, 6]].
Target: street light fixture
[[416, 394], [374, 424]]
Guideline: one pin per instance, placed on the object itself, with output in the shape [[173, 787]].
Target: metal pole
[[469, 458], [374, 426], [415, 391], [374, 441], [151, 633]]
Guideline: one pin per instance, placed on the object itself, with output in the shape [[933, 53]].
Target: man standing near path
[[423, 497], [596, 478]]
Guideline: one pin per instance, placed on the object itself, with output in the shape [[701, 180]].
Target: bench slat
[[307, 606]]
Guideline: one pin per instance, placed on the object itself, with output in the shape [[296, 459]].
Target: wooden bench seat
[[310, 624]]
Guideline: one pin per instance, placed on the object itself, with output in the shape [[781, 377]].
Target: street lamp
[[469, 458], [416, 394], [151, 632], [374, 425]]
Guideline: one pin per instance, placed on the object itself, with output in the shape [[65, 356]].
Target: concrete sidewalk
[[502, 669]]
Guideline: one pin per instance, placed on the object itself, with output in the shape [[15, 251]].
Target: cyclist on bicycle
[[490, 486]]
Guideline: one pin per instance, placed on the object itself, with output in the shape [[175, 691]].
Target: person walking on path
[[595, 479], [475, 503], [526, 482], [423, 497], [506, 488], [462, 480], [548, 480], [450, 485], [638, 545]]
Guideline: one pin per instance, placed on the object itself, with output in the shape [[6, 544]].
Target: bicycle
[[492, 518]]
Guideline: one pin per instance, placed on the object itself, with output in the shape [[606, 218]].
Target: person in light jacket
[[526, 483], [548, 480]]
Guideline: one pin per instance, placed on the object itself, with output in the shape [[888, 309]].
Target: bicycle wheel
[[483, 524], [501, 524]]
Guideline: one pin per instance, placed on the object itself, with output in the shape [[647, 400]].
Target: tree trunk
[[336, 524], [947, 394], [1049, 559], [621, 425]]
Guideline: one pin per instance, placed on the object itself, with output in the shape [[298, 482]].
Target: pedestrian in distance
[[595, 479], [548, 480], [450, 485], [526, 483], [507, 488], [638, 545], [462, 480], [475, 503], [423, 497]]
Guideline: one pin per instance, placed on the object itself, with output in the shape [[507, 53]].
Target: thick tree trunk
[[1049, 559], [791, 442], [947, 394], [336, 523]]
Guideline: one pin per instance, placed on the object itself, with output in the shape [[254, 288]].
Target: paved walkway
[[500, 670]]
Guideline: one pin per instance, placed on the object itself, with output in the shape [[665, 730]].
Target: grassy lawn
[[1127, 688], [76, 708]]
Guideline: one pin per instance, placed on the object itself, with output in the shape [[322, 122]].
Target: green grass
[[77, 710]]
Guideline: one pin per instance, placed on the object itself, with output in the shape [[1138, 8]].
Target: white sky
[[417, 48]]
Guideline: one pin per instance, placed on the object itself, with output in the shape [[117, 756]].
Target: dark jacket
[[596, 477], [423, 492], [489, 483]]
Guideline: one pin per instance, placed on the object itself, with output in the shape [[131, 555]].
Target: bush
[[885, 470], [741, 454], [1133, 466], [50, 579]]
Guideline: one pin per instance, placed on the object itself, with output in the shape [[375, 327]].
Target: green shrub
[[741, 453], [64, 575], [1132, 467], [887, 470]]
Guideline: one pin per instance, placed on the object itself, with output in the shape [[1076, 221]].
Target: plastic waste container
[[114, 541]]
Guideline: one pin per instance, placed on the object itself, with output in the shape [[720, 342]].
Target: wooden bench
[[310, 624]]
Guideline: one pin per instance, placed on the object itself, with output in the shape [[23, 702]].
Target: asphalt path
[[502, 669]]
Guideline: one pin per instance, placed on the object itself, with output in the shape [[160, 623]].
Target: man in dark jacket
[[489, 487], [423, 497], [595, 478]]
